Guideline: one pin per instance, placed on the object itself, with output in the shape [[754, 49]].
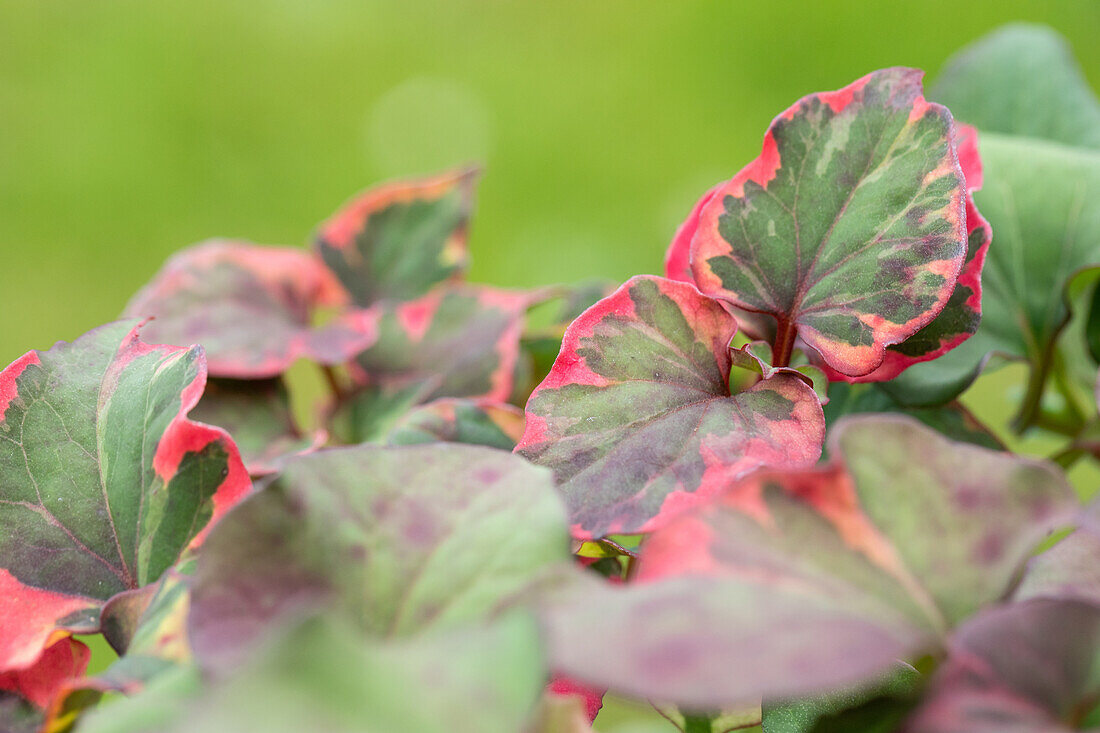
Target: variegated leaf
[[849, 229], [449, 420], [398, 240], [252, 308], [104, 480], [636, 419]]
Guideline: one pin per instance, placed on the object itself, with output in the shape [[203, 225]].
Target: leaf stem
[[697, 723], [785, 334], [1033, 398]]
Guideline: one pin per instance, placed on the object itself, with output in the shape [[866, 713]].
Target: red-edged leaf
[[104, 480], [251, 307], [959, 319], [565, 687], [678, 256], [400, 239], [1027, 667], [636, 419], [810, 582], [460, 341], [61, 662], [850, 227]]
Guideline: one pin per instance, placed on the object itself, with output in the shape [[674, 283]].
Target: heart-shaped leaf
[[104, 480], [401, 539], [849, 229], [251, 307], [1024, 667], [807, 582], [636, 419], [460, 341], [256, 412], [400, 239]]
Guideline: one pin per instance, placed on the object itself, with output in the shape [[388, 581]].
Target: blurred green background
[[129, 129]]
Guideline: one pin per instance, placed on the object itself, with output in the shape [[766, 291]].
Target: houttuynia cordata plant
[[744, 491]]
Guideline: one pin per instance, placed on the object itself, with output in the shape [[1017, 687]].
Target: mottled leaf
[[447, 420], [253, 308], [1041, 194], [1067, 570], [104, 480], [962, 314], [399, 239], [850, 228], [1022, 80], [636, 419], [401, 539], [257, 414], [797, 583], [461, 341], [1022, 668], [951, 420]]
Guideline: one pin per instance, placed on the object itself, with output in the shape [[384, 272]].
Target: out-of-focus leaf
[[877, 707], [447, 420], [461, 341], [252, 308], [1022, 80], [1021, 668], [850, 228], [61, 662], [104, 481], [1067, 570], [951, 420], [636, 419], [396, 241], [803, 583], [321, 676], [257, 414], [723, 722], [400, 539]]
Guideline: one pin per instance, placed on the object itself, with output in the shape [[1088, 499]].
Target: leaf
[[257, 414], [1067, 570], [61, 662], [1022, 80], [962, 314], [104, 480], [951, 420], [399, 539], [878, 707], [319, 676], [449, 420], [1023, 667], [853, 190], [461, 341], [398, 240], [806, 582], [251, 307], [636, 419], [1040, 195]]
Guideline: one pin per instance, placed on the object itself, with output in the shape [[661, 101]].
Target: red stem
[[783, 347]]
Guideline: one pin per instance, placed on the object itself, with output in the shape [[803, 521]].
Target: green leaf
[[398, 240], [850, 228], [636, 419], [319, 676], [252, 308], [257, 414], [401, 540], [492, 424], [104, 481], [1022, 80]]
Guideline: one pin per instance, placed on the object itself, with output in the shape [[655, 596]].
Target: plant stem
[[785, 334], [697, 723], [333, 382], [1033, 399]]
